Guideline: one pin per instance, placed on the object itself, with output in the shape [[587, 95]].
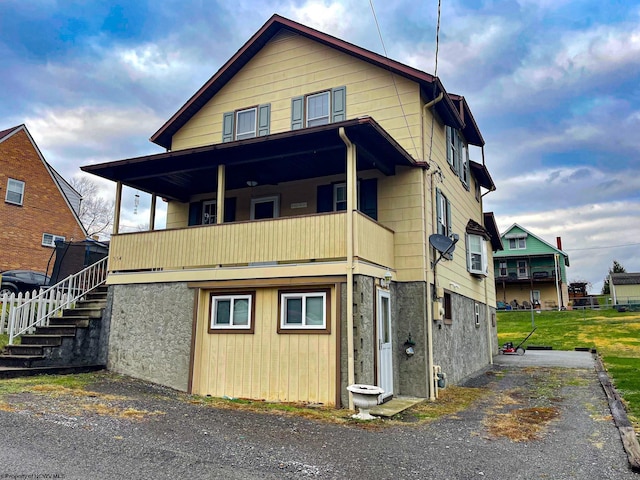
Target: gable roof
[[505, 235], [71, 197], [448, 110], [625, 278]]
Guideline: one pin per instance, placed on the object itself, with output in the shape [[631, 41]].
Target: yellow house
[[625, 288], [304, 183]]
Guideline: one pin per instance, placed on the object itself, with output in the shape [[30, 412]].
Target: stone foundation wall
[[150, 332]]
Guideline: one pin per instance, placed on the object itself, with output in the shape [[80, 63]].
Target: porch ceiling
[[283, 157]]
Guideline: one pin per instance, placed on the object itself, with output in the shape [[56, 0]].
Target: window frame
[[447, 317], [502, 268], [9, 191], [516, 243], [271, 198], [205, 204], [307, 120], [526, 268], [476, 310], [248, 134], [230, 328], [54, 237], [484, 258], [324, 293]]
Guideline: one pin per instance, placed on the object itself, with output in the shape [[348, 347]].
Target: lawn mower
[[509, 349]]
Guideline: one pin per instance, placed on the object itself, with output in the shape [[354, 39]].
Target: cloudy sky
[[553, 84]]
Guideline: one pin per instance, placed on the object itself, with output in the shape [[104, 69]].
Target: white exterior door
[[385, 351]]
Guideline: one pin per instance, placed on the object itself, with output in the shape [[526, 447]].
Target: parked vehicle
[[17, 281]]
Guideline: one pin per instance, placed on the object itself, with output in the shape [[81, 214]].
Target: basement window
[[232, 313]]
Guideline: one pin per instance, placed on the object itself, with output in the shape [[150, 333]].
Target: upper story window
[[458, 155], [246, 123], [15, 192], [477, 260], [443, 208], [517, 243], [209, 212], [49, 239], [502, 266], [319, 108]]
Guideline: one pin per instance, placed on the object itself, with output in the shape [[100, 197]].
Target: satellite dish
[[441, 243]]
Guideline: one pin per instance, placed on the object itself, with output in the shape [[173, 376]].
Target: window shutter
[[338, 104], [449, 149], [325, 198], [264, 119], [439, 211], [227, 126], [467, 244], [369, 197], [229, 210], [195, 213], [449, 226], [297, 113], [485, 258], [458, 157]]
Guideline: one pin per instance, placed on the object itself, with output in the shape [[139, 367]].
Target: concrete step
[[25, 350], [94, 295], [97, 304], [19, 361], [15, 372], [60, 330], [50, 340], [80, 322], [82, 312]]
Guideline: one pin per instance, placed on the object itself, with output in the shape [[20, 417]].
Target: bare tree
[[96, 213]]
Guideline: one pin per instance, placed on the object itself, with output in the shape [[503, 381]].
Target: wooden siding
[[372, 242], [291, 239], [290, 66], [453, 275], [627, 293], [265, 364]]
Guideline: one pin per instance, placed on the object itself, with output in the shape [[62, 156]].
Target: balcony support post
[[351, 176], [220, 194], [152, 213], [116, 213]]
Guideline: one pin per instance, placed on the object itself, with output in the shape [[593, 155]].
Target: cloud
[[592, 235]]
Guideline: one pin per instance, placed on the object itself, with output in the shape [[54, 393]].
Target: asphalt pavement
[[132, 429]]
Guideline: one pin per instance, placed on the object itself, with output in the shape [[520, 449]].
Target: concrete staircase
[[76, 339]]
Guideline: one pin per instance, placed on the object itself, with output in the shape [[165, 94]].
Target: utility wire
[[600, 248], [384, 48], [435, 82]]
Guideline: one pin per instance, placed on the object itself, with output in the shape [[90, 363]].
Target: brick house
[[38, 206]]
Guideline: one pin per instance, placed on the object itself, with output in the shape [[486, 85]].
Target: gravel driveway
[[533, 422]]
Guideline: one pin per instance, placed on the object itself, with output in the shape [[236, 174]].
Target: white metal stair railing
[[37, 311]]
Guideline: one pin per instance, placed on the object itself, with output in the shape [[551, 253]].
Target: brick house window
[[15, 192]]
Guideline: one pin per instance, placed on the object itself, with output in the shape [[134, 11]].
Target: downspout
[[350, 263], [429, 315]]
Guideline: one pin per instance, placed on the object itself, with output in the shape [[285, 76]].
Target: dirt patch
[[521, 425]]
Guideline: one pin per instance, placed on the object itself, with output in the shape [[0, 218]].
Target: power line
[[384, 48], [601, 247]]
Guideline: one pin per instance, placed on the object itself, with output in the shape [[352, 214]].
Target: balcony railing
[[538, 273], [320, 237]]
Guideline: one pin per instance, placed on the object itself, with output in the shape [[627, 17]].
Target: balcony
[[290, 240], [543, 273]]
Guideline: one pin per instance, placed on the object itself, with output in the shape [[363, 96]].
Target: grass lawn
[[616, 336]]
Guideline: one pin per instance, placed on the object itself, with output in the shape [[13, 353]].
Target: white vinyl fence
[[43, 305]]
